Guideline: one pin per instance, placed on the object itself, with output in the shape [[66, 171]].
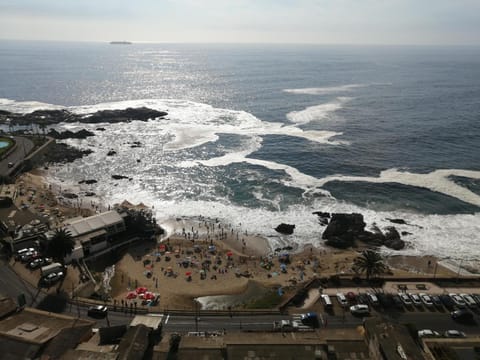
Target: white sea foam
[[437, 180], [171, 179], [317, 112], [325, 90], [24, 107]]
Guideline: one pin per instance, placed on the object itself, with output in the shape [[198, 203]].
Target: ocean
[[257, 135]]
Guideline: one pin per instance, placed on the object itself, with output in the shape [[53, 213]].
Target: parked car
[[427, 333], [29, 256], [405, 299], [447, 301], [397, 301], [20, 252], [362, 299], [436, 300], [415, 299], [373, 299], [469, 300], [385, 300], [327, 303], [52, 278], [359, 310], [458, 300], [476, 297], [97, 312], [342, 300], [454, 334], [462, 315], [426, 299], [351, 297], [36, 263]]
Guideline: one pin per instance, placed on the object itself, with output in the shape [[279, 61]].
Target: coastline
[[251, 257]]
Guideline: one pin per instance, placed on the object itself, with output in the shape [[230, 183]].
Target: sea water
[[257, 135]]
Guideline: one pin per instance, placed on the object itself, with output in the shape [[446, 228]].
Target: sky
[[396, 22]]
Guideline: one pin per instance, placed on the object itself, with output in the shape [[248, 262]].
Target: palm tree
[[370, 262], [60, 245]]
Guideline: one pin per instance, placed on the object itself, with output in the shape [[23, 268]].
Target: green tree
[[60, 245], [369, 262]]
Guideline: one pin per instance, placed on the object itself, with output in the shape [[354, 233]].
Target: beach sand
[[250, 259]]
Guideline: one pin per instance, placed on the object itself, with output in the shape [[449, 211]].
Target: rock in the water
[[398, 221], [119, 177], [100, 129], [286, 229], [323, 217], [111, 153], [343, 229], [88, 182]]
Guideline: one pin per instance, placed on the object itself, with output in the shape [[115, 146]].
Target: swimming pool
[[4, 144]]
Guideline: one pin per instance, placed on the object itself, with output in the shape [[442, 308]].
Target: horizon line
[[133, 42]]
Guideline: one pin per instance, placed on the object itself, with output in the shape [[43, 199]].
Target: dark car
[[436, 301], [447, 302], [362, 299], [462, 315], [97, 312], [52, 278], [397, 301], [310, 319]]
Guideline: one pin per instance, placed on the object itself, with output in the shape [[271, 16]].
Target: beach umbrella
[[141, 290], [229, 254], [169, 268], [149, 296], [283, 267], [188, 273], [131, 295]]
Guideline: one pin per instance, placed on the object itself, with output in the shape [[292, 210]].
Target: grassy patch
[[268, 301]]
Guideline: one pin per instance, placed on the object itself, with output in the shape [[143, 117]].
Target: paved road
[[11, 285], [24, 146]]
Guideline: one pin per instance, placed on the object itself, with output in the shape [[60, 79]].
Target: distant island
[[120, 43]]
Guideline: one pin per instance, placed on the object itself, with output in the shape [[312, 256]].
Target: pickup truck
[[285, 325]]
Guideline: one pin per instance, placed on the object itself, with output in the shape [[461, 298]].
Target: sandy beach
[[205, 257]]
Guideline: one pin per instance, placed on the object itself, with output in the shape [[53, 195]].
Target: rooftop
[[93, 223]]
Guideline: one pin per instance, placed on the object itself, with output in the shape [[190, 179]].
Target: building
[[388, 341], [93, 233]]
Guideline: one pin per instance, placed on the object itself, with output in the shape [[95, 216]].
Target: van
[[327, 303], [359, 309], [48, 269]]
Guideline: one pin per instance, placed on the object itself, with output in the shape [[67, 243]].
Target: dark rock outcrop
[[62, 153], [50, 117], [344, 230], [286, 229], [111, 153], [81, 134]]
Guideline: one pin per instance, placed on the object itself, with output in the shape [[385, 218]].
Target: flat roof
[[93, 223], [37, 326], [153, 322]]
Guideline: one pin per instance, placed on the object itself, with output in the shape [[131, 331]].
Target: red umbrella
[[141, 290], [131, 295], [188, 273], [149, 296], [229, 253]]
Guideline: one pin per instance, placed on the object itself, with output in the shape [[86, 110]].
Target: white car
[[373, 299], [454, 334], [405, 299], [359, 310], [469, 300], [458, 300], [416, 299], [342, 300], [428, 333], [426, 299]]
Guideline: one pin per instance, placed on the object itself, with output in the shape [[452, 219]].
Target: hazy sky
[[273, 21]]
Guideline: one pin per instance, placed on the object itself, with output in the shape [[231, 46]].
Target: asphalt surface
[[423, 318], [24, 146]]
